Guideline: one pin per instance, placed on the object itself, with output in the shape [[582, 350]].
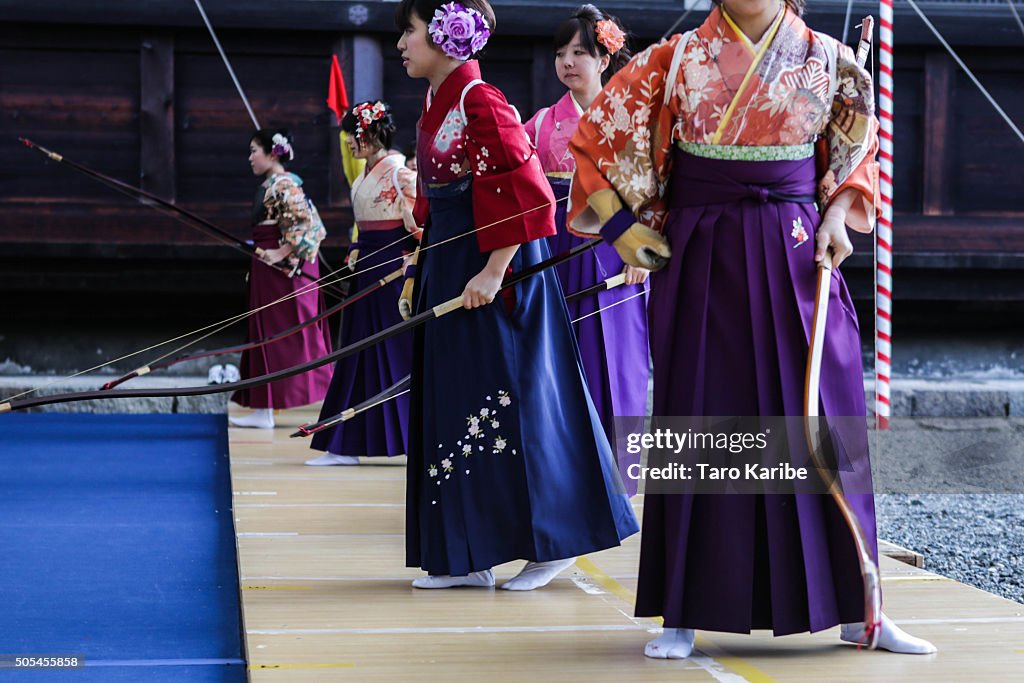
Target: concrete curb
[[210, 404], [910, 397], [953, 397]]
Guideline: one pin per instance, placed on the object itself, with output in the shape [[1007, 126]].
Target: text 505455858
[[27, 661]]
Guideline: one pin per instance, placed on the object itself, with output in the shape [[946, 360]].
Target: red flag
[[337, 98]]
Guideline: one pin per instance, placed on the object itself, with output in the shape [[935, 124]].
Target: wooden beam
[[938, 112], [980, 23], [156, 114]]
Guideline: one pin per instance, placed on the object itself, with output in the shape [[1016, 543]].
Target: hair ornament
[[610, 35], [281, 148], [459, 31]]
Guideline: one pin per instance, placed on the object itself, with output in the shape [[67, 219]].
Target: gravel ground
[[977, 539]]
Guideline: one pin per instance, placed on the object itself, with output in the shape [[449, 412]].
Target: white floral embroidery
[[799, 233], [486, 417], [485, 151], [456, 167]]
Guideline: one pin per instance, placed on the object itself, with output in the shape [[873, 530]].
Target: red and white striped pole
[[883, 233]]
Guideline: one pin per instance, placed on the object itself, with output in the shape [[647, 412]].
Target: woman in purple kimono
[[286, 225], [589, 48], [701, 152]]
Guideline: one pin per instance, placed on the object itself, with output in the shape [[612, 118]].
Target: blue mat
[[117, 543]]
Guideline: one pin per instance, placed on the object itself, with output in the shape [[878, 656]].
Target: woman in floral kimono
[[286, 225], [701, 152], [589, 47], [507, 457], [382, 200]]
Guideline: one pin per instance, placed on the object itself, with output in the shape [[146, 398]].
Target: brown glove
[[642, 247]]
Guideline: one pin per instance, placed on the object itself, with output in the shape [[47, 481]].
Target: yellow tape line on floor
[[313, 665], [738, 666]]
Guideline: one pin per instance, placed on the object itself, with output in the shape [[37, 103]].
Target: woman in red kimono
[[507, 457], [701, 153]]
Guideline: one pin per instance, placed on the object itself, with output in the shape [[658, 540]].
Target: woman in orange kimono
[[699, 158]]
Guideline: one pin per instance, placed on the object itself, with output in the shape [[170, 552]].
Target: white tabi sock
[[333, 459], [261, 418], [892, 638], [674, 643], [537, 574], [484, 579]]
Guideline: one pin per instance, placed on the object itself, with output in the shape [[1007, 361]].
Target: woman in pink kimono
[[699, 156], [589, 48]]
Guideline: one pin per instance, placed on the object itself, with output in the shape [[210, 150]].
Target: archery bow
[[417, 320], [182, 215], [868, 567], [351, 299], [402, 386], [394, 391]]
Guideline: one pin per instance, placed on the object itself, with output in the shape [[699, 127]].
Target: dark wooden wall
[[151, 104]]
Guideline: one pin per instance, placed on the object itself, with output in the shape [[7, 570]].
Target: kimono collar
[[568, 107], [436, 107], [384, 162], [721, 27], [273, 177]]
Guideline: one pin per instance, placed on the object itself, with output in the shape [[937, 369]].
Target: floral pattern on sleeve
[[295, 215], [624, 141]]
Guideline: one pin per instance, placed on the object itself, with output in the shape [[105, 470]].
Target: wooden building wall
[[136, 90]]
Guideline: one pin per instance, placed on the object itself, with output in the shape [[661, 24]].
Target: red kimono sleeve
[[512, 200], [421, 207]]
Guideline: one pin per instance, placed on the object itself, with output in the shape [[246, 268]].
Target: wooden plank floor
[[326, 596]]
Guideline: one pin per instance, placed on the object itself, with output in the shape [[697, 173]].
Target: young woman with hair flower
[[589, 47], [382, 200], [507, 457], [699, 158], [286, 225]]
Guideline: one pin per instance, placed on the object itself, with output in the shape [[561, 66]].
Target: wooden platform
[[326, 596]]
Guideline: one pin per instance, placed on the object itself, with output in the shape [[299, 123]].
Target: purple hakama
[[730, 318], [381, 431]]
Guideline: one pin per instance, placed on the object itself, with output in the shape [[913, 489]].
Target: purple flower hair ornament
[[459, 31], [281, 148]]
